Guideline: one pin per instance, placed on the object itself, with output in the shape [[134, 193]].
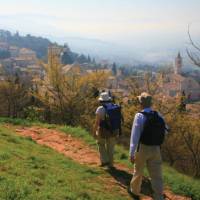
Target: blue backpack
[[113, 118]]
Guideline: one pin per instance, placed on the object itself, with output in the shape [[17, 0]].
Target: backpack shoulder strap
[[155, 112], [146, 114], [105, 107], [149, 113]]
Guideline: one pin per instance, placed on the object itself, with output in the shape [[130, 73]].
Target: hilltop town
[[26, 63]]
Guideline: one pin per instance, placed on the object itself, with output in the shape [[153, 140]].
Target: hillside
[[39, 45], [29, 170]]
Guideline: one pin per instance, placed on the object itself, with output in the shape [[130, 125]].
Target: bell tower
[[178, 64], [54, 55]]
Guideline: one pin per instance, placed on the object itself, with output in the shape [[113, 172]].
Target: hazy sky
[[128, 22]]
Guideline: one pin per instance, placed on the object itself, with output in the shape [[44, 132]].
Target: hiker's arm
[[97, 122], [96, 125], [167, 129], [135, 134]]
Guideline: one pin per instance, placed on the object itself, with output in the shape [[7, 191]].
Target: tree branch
[[191, 41]]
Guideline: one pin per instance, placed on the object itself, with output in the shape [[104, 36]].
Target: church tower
[[178, 64], [54, 55]]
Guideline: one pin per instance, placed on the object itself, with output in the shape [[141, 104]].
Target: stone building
[[27, 54], [174, 84]]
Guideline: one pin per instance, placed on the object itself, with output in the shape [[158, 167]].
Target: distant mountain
[[131, 54], [101, 50]]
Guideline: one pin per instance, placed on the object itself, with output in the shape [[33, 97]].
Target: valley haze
[[129, 31]]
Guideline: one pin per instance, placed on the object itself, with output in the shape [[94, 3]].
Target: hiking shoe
[[103, 164], [111, 167], [134, 196], [165, 197]]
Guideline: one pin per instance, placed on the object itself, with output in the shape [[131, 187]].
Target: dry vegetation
[[72, 100]]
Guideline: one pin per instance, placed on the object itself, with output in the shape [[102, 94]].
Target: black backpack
[[154, 129]]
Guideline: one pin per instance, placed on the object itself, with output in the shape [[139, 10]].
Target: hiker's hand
[[119, 137], [132, 159], [94, 134]]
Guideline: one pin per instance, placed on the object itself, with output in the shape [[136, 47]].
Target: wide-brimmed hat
[[104, 96], [145, 98]]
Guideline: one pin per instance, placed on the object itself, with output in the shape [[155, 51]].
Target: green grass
[[182, 184], [79, 133], [15, 121], [179, 183], [29, 171]]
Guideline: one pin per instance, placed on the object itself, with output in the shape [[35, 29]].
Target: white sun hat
[[104, 96]]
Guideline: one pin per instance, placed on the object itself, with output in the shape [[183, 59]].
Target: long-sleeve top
[[137, 128]]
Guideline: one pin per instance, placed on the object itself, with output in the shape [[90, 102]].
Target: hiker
[[107, 128], [147, 135]]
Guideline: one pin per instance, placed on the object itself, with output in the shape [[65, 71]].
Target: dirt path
[[63, 143], [80, 152]]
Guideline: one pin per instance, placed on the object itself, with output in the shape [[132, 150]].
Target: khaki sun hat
[[104, 96], [145, 99]]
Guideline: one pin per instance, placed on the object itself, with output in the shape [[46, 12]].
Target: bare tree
[[195, 57], [14, 96]]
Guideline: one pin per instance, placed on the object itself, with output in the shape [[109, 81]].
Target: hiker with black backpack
[[107, 128], [147, 135]]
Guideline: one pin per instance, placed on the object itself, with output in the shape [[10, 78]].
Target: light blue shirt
[[137, 128]]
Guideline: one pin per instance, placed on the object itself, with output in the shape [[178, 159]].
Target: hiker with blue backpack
[[147, 135], [107, 128]]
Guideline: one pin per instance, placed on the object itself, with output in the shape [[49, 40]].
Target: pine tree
[[114, 69], [89, 59]]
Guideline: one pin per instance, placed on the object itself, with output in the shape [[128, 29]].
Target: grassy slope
[[178, 182], [30, 171]]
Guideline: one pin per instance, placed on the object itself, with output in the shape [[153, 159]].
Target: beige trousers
[[151, 157], [106, 149]]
